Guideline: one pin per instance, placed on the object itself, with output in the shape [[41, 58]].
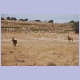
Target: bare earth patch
[[40, 49]]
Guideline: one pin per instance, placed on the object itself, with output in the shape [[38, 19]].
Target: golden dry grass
[[40, 49]]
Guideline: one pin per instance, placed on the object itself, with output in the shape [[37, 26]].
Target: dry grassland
[[39, 49]]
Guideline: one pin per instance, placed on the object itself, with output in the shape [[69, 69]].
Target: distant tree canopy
[[21, 19], [75, 26], [2, 18], [13, 18], [8, 18], [24, 19], [37, 20], [72, 21], [50, 21]]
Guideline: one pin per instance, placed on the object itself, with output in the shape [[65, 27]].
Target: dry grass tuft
[[11, 51], [51, 64]]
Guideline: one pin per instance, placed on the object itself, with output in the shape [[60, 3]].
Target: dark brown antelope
[[70, 38], [14, 42]]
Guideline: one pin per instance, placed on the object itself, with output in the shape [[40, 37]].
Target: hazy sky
[[57, 18]]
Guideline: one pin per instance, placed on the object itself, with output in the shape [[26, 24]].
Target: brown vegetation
[[39, 49]]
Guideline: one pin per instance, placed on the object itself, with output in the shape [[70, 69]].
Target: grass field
[[39, 49]]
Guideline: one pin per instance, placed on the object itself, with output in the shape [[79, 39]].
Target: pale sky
[[57, 18]]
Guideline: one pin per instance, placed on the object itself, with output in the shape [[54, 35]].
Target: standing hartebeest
[[14, 42], [70, 38]]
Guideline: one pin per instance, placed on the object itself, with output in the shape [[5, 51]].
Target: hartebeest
[[14, 42], [70, 38]]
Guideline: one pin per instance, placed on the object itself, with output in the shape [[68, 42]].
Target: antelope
[[14, 42], [70, 38]]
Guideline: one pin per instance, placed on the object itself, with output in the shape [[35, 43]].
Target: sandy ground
[[39, 49]]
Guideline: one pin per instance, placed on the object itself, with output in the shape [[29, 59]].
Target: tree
[[76, 27], [50, 21], [21, 19], [8, 18], [26, 19], [72, 21], [13, 18], [2, 18], [37, 20]]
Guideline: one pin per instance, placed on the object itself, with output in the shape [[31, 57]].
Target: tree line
[[26, 19], [9, 18], [75, 23], [75, 26]]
